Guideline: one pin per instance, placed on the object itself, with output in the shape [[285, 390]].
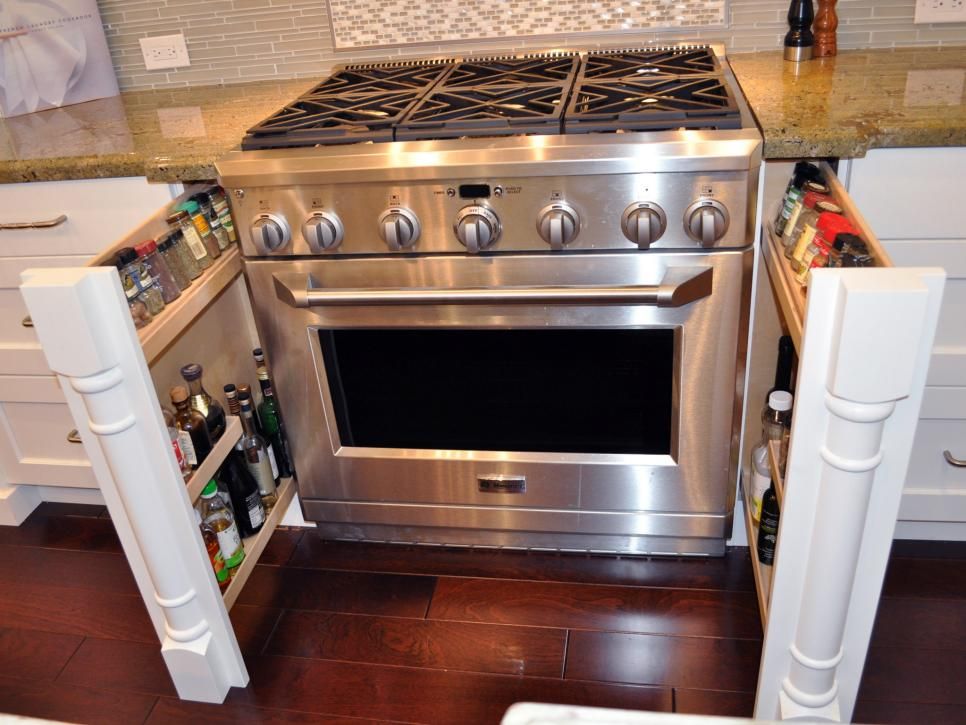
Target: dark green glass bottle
[[272, 426]]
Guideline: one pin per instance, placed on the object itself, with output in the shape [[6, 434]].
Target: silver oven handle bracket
[[680, 286]]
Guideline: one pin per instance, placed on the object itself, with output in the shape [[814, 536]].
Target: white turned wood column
[[868, 337], [85, 329]]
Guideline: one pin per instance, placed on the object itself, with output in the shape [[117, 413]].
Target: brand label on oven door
[[501, 483]]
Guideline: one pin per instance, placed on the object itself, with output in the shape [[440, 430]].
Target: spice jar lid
[[166, 243], [145, 248], [175, 217], [191, 371], [189, 206], [179, 394], [125, 256], [831, 225], [826, 205], [210, 489], [845, 239], [780, 400]]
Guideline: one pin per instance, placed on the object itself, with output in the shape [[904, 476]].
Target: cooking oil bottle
[[216, 515]]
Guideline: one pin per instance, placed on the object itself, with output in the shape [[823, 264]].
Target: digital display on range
[[474, 191]]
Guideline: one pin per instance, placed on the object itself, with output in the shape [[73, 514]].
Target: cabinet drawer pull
[[74, 437], [27, 322], [953, 461], [44, 224]]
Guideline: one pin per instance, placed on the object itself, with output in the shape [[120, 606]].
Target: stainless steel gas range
[[506, 299]]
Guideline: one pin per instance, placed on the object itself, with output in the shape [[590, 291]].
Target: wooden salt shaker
[[826, 21]]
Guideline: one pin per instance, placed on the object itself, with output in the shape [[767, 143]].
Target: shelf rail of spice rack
[[790, 293], [219, 452]]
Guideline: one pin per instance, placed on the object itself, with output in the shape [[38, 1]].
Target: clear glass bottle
[[139, 311], [208, 535], [193, 423], [176, 442], [163, 278], [193, 209], [220, 202], [202, 402], [256, 455], [169, 254], [137, 273], [207, 203], [776, 422], [191, 266], [215, 514], [180, 219]]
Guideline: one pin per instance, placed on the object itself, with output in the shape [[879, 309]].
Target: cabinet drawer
[[97, 210], [936, 490], [36, 421]]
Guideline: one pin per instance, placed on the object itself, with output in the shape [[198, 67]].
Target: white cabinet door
[[35, 423]]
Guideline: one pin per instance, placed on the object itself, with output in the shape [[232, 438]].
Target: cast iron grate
[[537, 69], [629, 64]]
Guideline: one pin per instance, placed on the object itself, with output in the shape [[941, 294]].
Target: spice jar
[[163, 278], [803, 173], [806, 217], [819, 260], [220, 203], [139, 310], [175, 262], [201, 225], [182, 221], [137, 272], [207, 204], [191, 265]]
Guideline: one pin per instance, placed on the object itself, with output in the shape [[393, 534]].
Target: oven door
[[515, 400]]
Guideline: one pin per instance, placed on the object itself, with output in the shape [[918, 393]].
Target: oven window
[[566, 391]]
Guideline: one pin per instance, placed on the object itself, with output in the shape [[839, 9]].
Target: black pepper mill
[[799, 39]]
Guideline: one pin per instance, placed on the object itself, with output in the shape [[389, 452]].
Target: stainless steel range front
[[525, 324]]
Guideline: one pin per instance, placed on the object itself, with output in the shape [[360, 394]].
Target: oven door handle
[[680, 286]]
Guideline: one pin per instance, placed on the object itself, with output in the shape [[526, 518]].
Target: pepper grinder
[[799, 39], [826, 22]]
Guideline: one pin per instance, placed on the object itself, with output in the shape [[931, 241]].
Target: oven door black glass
[[564, 391]]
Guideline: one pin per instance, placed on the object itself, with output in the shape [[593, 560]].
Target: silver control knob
[[477, 228], [323, 230], [643, 223], [558, 224], [270, 232], [399, 228], [706, 221]]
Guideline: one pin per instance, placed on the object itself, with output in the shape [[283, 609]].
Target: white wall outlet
[[164, 51], [940, 11]]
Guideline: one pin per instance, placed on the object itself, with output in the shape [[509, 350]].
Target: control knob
[[477, 228], [706, 221], [558, 224], [399, 228], [643, 223], [323, 230], [270, 232]]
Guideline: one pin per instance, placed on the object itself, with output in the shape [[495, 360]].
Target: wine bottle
[[256, 455], [245, 497], [768, 526]]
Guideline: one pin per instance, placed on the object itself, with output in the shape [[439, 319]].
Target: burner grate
[[315, 120], [478, 72], [625, 65], [653, 104], [497, 111], [370, 79]]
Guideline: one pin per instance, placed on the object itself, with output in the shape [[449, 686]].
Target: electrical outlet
[[940, 11], [164, 51]]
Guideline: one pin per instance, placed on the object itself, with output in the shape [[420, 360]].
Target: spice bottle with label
[[215, 514], [202, 402], [794, 192], [168, 252], [139, 311], [137, 272], [821, 259], [163, 278], [182, 221], [220, 203], [193, 209], [207, 204], [193, 423]]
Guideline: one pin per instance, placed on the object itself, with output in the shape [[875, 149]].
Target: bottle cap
[[244, 395], [176, 216], [189, 206], [191, 371], [780, 400], [146, 247], [230, 389], [210, 489], [125, 256], [179, 394]]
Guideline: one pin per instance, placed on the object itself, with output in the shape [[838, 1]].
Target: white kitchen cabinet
[[913, 201], [74, 221]]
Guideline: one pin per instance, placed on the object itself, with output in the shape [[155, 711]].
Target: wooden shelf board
[[164, 329], [255, 545], [214, 460], [790, 294], [776, 476], [762, 573]]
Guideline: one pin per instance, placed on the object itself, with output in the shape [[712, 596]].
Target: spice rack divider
[[776, 476], [219, 453], [255, 545], [762, 572]]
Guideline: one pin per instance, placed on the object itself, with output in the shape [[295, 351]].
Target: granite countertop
[[839, 106]]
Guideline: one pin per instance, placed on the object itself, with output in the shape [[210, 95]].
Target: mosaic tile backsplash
[[233, 41], [362, 23]]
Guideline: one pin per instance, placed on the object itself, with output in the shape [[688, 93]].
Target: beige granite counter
[[166, 135], [860, 99], [839, 106]]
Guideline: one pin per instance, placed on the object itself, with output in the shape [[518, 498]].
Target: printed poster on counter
[[52, 53]]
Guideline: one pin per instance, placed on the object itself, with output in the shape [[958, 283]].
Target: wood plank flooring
[[362, 633]]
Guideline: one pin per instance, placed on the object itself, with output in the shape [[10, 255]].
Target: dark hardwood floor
[[354, 633]]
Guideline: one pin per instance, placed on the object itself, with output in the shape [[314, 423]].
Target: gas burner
[[653, 104], [327, 120], [512, 71], [496, 111], [369, 79], [628, 65]]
